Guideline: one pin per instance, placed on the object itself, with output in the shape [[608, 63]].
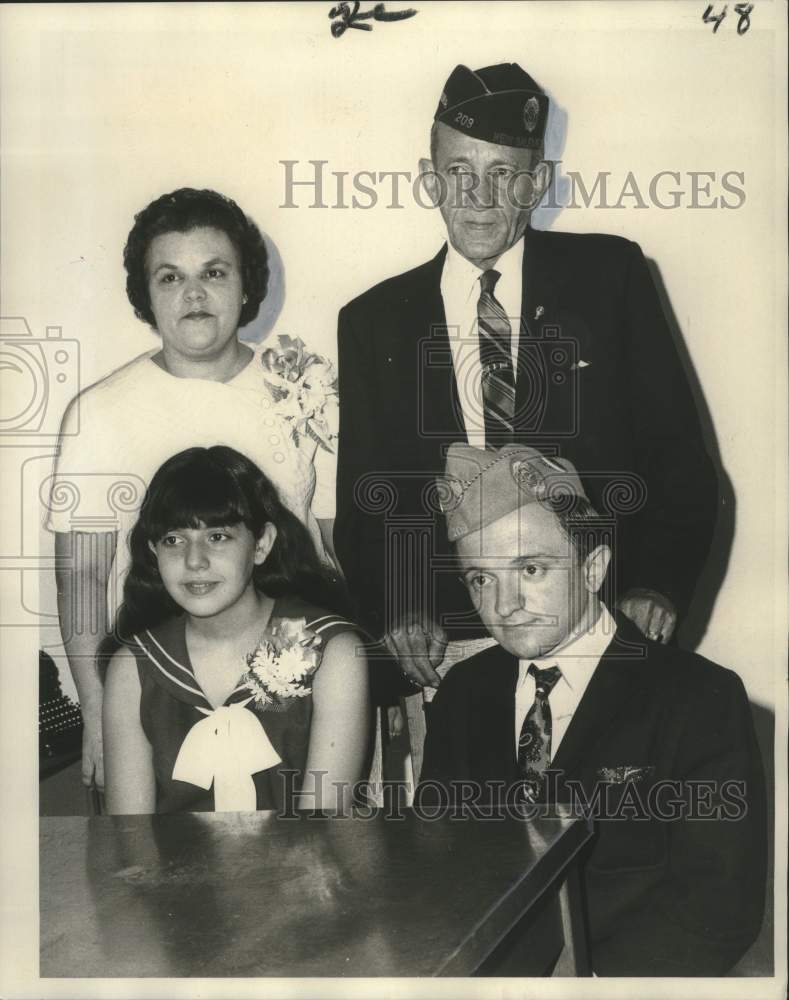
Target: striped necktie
[[495, 354], [534, 744]]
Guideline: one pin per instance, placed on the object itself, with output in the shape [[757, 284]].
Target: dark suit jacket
[[665, 898], [627, 412]]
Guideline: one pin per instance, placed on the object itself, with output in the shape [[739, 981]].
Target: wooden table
[[250, 894]]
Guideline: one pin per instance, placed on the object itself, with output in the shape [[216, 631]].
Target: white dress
[[117, 433]]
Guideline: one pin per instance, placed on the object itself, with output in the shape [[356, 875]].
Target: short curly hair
[[180, 212]]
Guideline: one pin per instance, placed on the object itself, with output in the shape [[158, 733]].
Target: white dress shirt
[[577, 658], [460, 291]]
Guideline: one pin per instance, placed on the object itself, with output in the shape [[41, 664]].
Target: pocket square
[[624, 772]]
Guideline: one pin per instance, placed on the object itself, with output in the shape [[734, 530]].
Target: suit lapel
[[615, 681], [441, 417], [543, 279], [545, 401], [493, 716]]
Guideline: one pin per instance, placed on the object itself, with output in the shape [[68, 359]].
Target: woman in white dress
[[197, 270]]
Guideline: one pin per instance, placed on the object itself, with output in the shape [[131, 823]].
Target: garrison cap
[[479, 487], [500, 104]]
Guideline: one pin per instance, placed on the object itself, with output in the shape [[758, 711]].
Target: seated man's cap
[[500, 104], [479, 487]]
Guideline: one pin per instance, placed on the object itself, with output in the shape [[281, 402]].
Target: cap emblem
[[527, 476], [450, 493], [531, 112]]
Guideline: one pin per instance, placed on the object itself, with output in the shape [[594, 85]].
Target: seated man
[[573, 705]]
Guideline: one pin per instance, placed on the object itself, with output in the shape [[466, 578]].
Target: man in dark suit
[[514, 334], [574, 706]]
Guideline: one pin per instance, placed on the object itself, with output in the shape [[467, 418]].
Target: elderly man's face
[[527, 582], [486, 193]]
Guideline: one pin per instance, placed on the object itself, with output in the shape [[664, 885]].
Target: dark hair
[[212, 487], [581, 523], [180, 212]]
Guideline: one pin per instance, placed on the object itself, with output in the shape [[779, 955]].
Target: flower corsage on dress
[[283, 663], [303, 386]]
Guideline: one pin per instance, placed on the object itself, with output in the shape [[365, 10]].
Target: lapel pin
[[539, 311]]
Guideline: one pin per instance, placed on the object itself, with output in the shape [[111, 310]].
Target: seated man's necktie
[[495, 354], [534, 743]]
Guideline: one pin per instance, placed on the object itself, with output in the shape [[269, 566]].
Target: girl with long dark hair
[[239, 685]]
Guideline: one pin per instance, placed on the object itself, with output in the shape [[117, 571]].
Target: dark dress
[[172, 703]]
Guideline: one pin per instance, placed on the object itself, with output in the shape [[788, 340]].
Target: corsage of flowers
[[304, 388], [283, 662]]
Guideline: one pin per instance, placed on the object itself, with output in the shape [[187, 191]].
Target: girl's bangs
[[198, 497]]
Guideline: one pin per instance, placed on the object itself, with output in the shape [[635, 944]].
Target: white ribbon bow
[[226, 748]]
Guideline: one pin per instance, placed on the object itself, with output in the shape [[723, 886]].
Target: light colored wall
[[108, 107]]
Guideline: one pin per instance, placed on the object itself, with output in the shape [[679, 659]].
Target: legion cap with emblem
[[479, 487], [500, 104]]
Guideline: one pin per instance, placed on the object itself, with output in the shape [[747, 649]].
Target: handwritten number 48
[[743, 9]]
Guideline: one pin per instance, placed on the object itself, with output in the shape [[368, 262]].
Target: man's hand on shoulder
[[419, 645], [653, 613]]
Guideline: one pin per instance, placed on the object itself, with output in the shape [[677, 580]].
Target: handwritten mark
[[717, 19], [743, 9], [348, 18]]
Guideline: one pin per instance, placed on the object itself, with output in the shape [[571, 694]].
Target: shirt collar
[[578, 656], [463, 276]]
